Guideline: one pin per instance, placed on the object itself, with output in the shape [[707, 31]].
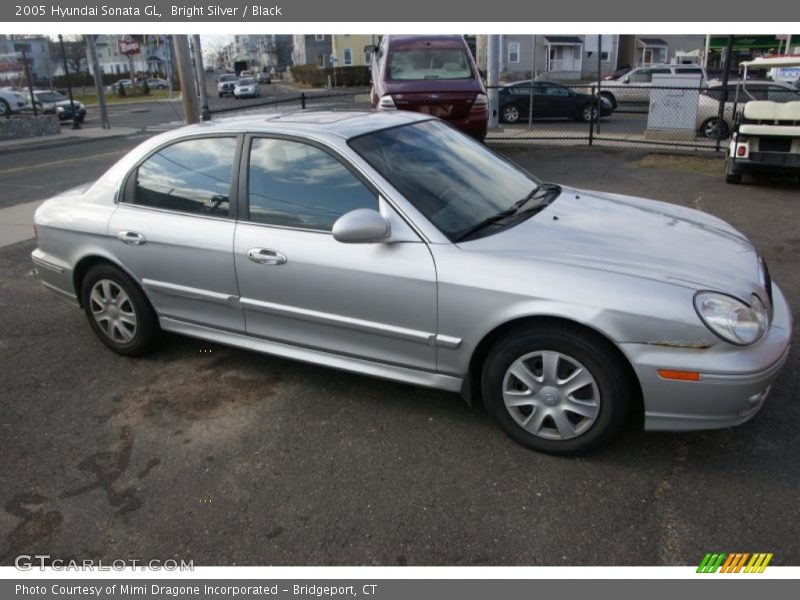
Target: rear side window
[[429, 63], [193, 176], [293, 184]]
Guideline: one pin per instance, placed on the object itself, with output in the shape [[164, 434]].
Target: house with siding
[[312, 50]]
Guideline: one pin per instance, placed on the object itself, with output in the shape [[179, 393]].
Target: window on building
[[293, 184], [348, 56], [193, 176], [513, 52], [320, 60], [319, 38], [604, 56]]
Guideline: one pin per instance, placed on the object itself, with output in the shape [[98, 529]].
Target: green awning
[[762, 42]]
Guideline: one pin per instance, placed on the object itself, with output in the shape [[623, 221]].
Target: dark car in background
[[550, 101], [55, 103], [617, 74], [430, 74]]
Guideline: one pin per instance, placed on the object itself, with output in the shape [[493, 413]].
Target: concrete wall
[[22, 126]]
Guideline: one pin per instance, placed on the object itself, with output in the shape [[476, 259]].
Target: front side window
[[453, 180], [429, 63], [193, 176], [293, 184], [641, 76]]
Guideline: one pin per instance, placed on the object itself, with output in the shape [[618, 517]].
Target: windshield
[[227, 77], [50, 97], [453, 180], [245, 82], [429, 63]]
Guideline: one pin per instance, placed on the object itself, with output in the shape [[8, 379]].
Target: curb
[[57, 143]]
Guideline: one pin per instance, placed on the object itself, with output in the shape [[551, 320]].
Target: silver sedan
[[391, 245]]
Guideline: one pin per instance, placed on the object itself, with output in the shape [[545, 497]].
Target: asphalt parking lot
[[227, 457]]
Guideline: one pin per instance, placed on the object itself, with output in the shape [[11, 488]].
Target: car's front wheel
[[556, 389], [589, 113], [118, 311]]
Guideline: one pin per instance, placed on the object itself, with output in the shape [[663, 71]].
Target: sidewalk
[[66, 137], [16, 223]]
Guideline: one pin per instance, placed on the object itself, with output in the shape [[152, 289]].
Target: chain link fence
[[610, 114], [327, 100], [553, 113]]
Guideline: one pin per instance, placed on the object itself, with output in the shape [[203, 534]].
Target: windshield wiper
[[537, 193], [488, 221]]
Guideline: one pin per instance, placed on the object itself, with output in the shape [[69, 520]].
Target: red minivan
[[431, 74]]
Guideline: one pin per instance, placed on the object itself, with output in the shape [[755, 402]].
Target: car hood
[[633, 236]]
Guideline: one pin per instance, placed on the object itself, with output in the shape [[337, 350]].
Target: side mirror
[[361, 226]]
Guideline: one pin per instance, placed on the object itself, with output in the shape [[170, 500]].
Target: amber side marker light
[[679, 375]]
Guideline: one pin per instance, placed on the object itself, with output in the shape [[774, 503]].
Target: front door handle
[[265, 256], [133, 238]]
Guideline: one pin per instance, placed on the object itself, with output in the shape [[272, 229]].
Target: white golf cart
[[766, 134]]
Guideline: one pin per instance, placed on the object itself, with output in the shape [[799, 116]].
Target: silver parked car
[[389, 244]]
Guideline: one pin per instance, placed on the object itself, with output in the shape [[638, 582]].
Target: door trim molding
[[315, 316]]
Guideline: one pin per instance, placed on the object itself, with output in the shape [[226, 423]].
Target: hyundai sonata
[[389, 244]]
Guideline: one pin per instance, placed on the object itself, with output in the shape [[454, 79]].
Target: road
[[228, 457]]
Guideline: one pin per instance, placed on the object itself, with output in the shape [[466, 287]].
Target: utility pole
[[75, 124], [201, 77], [533, 78], [726, 68], [493, 79], [191, 110], [98, 81]]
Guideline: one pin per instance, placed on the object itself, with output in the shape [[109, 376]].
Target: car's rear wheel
[[118, 311], [556, 389], [510, 113], [5, 108], [732, 174], [714, 127]]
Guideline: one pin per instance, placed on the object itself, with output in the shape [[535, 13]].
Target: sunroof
[[320, 118]]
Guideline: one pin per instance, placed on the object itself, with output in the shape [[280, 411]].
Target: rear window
[[429, 63]]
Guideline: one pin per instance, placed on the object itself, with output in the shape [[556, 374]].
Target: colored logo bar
[[734, 562]]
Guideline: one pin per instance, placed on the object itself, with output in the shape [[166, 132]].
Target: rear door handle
[[265, 256], [133, 238]]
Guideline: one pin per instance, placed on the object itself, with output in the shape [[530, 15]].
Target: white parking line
[[16, 223]]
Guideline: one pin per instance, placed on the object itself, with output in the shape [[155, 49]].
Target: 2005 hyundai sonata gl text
[[391, 245]]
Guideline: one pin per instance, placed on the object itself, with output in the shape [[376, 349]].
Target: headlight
[[731, 319]]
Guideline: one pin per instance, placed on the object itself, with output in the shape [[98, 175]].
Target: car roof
[[420, 41], [318, 124]]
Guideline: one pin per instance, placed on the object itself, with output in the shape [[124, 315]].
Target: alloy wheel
[[511, 114]]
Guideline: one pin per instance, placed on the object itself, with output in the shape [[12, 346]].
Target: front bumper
[[734, 381]]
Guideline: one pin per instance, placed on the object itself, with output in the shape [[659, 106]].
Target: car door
[[298, 285], [174, 227], [558, 102]]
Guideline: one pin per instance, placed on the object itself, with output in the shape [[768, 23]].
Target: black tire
[[220, 95], [732, 174], [610, 97], [5, 108], [709, 129], [586, 116], [510, 113], [594, 353], [147, 332]]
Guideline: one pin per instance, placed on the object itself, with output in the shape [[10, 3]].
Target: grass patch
[[705, 165]]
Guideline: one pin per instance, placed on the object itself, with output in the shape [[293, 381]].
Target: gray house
[[575, 57], [312, 50]]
